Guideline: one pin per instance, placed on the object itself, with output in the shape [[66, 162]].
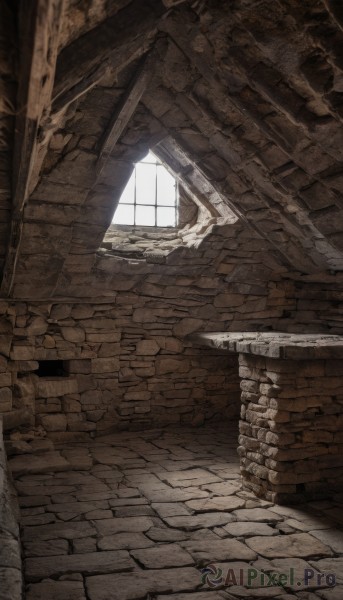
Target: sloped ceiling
[[248, 91]]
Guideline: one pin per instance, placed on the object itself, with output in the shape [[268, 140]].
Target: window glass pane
[[165, 187], [166, 217], [128, 195], [124, 215], [145, 215], [145, 184]]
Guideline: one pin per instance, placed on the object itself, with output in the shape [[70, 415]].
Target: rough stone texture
[[127, 374], [81, 556], [291, 426], [243, 101], [10, 555]]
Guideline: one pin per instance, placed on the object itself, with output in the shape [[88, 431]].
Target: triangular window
[[150, 198]]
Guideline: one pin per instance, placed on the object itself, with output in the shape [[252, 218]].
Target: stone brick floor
[[138, 515]]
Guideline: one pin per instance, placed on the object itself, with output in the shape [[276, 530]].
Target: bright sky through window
[[150, 196]]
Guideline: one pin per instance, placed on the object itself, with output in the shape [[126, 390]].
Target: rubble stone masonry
[[291, 428]]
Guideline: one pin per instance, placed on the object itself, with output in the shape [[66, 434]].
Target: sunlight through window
[[150, 198]]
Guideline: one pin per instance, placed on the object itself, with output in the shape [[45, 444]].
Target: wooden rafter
[[126, 109], [116, 41], [39, 27]]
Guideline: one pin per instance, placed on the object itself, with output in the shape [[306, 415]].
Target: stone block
[[54, 422], [171, 365], [108, 349], [56, 386], [5, 344], [103, 336], [70, 405], [147, 348], [73, 334], [5, 399], [80, 366], [94, 415], [36, 326], [105, 365], [92, 562], [228, 300], [22, 353], [187, 326], [5, 379], [56, 590]]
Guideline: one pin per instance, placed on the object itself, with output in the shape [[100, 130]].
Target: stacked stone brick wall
[[118, 374], [291, 441], [10, 560]]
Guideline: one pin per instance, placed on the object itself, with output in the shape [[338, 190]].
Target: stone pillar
[[291, 427]]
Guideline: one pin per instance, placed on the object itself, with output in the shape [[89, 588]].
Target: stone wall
[[291, 440], [10, 561], [120, 372], [130, 364]]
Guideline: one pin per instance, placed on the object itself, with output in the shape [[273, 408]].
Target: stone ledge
[[274, 344]]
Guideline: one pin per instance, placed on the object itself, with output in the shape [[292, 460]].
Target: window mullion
[[156, 167], [135, 199]]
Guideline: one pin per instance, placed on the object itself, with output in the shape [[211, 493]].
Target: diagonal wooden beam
[[116, 42], [39, 27], [127, 107]]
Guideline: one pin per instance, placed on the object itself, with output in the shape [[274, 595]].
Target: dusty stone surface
[[297, 544], [130, 557]]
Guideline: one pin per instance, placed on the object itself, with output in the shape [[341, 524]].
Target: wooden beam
[[115, 41], [126, 109], [39, 27], [62, 101]]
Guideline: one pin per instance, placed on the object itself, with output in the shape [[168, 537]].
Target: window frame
[[155, 205]]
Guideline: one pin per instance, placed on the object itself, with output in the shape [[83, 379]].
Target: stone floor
[[161, 515]]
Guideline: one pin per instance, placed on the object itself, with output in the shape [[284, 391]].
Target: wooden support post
[[39, 27]]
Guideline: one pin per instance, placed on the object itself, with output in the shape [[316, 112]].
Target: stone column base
[[291, 428]]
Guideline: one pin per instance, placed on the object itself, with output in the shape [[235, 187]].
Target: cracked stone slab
[[56, 590], [163, 556], [310, 523], [48, 548], [222, 489], [42, 463], [331, 537], [159, 534], [329, 565], [218, 503], [172, 509], [294, 569], [189, 477], [123, 524], [78, 507], [225, 549], [249, 529], [66, 531], [301, 545], [166, 494], [200, 521], [335, 593], [257, 514], [124, 541], [196, 596], [136, 585], [92, 562]]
